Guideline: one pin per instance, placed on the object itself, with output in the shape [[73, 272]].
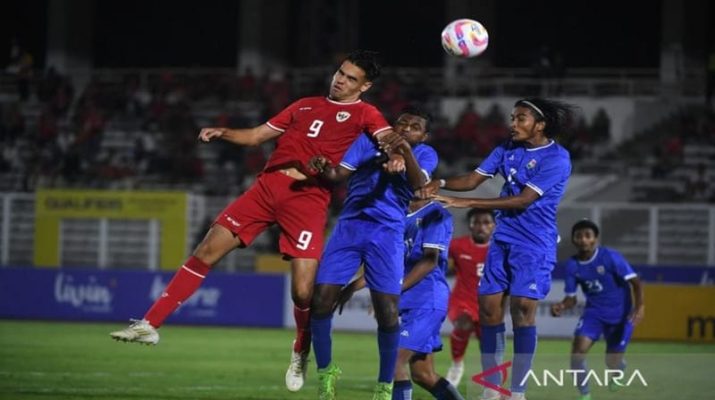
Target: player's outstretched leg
[[184, 283], [217, 242]]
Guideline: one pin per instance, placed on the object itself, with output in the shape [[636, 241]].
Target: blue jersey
[[544, 169], [383, 197], [428, 227], [603, 279]]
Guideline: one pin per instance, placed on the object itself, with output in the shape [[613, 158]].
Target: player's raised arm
[[243, 137], [517, 202], [415, 177], [461, 183]]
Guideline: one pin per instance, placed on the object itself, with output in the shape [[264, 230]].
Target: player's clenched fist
[[557, 309], [428, 190], [318, 163], [207, 134]]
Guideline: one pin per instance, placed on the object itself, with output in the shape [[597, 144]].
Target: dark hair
[[556, 114], [585, 224], [367, 61], [476, 211], [414, 109]]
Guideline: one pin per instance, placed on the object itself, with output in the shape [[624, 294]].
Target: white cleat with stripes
[[140, 331], [295, 376]]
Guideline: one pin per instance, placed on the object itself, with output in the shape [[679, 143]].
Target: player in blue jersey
[[523, 248], [370, 231], [609, 283], [424, 300]]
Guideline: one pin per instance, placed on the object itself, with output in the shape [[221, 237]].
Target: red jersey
[[315, 126], [468, 260]]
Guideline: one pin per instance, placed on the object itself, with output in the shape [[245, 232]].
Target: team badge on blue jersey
[[342, 116], [531, 164], [601, 269]]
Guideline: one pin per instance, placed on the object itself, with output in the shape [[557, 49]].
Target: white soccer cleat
[[517, 396], [295, 376], [491, 394], [140, 331], [455, 372]]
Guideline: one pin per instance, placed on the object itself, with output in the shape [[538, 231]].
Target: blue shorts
[[363, 241], [517, 270], [617, 335], [419, 329]]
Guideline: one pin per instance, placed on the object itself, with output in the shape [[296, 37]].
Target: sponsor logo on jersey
[[342, 116], [305, 108]]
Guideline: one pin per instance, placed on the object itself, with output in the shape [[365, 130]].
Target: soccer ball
[[465, 38]]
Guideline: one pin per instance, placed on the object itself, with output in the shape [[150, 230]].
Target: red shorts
[[298, 207], [459, 305]]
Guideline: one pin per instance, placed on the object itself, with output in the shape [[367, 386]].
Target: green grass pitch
[[49, 360]]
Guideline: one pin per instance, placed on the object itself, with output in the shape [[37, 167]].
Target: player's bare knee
[[464, 322], [424, 377], [302, 296], [523, 311], [490, 316], [322, 301]]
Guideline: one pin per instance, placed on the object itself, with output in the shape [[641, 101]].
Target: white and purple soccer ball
[[465, 38]]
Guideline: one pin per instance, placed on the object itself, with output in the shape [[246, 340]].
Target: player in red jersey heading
[[468, 253], [284, 193]]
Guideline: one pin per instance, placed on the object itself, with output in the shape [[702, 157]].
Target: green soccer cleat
[[326, 381], [613, 386], [383, 391]]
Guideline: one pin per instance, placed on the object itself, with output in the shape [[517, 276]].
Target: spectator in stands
[[21, 65], [468, 132], [601, 126], [697, 188], [710, 76]]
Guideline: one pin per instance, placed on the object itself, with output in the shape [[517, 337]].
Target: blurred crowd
[[139, 129]]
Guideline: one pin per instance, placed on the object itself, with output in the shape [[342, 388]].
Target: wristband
[[442, 183]]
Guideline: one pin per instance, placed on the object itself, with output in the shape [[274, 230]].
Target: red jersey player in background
[[284, 193], [468, 253]]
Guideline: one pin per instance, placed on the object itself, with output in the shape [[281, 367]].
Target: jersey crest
[[342, 116]]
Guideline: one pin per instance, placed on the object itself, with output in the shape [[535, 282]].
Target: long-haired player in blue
[[609, 284], [523, 248], [370, 231]]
